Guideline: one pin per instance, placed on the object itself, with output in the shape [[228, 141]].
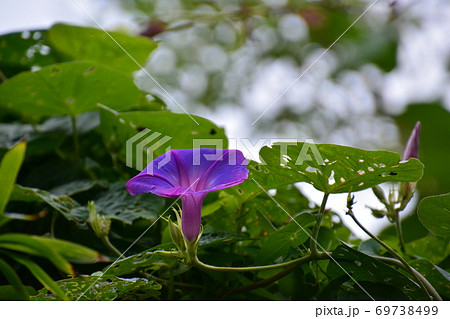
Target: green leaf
[[42, 276], [104, 288], [29, 245], [63, 204], [434, 213], [9, 293], [90, 44], [14, 280], [219, 239], [72, 252], [22, 50], [142, 261], [9, 169], [119, 127], [290, 236], [117, 203], [332, 168], [433, 248], [438, 277], [69, 89], [365, 268]]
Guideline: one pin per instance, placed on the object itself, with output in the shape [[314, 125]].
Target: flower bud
[[176, 235], [99, 224]]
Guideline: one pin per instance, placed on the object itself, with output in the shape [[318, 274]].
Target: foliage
[[76, 105]]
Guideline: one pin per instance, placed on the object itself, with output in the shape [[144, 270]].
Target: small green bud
[[99, 224], [378, 191], [378, 213], [176, 235]]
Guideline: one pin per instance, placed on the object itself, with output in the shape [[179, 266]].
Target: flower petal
[[191, 214]]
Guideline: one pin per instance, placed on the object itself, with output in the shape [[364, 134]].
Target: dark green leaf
[[362, 267], [42, 276], [438, 277], [14, 280]]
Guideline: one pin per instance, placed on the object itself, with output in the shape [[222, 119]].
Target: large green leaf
[[434, 213], [333, 168], [138, 127], [9, 169], [69, 89], [363, 268], [22, 50], [63, 204], [104, 288], [90, 44]]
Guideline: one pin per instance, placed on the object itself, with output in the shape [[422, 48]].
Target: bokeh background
[[351, 72]]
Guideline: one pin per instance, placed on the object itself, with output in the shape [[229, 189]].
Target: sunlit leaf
[[90, 44], [69, 89]]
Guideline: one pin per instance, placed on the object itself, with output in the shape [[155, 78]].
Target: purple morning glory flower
[[190, 174], [412, 147]]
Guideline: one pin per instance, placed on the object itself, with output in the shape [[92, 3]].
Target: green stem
[[407, 267], [315, 231], [397, 263], [196, 262], [53, 223], [398, 224], [111, 247], [76, 141], [3, 77]]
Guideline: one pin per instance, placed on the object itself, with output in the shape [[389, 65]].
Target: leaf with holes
[[63, 204], [104, 288], [434, 213], [139, 262], [333, 168], [364, 268], [69, 89], [117, 203], [90, 44]]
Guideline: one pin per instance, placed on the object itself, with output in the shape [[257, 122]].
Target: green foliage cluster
[[68, 106]]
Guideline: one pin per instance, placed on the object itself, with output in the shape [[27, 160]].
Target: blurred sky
[[421, 74]]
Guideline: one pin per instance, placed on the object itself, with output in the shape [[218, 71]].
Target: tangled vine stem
[[424, 284]]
